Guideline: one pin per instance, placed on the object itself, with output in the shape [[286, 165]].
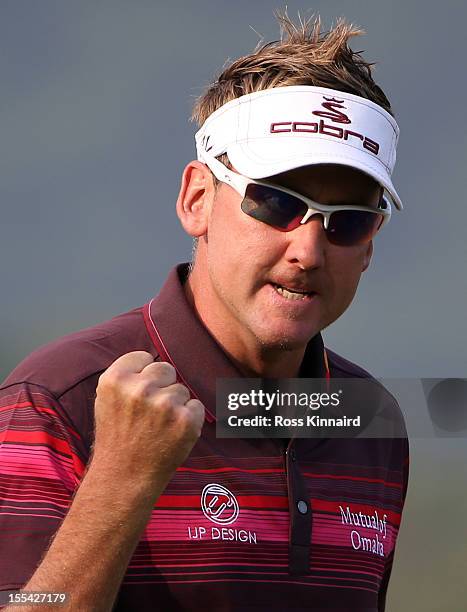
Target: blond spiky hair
[[304, 55]]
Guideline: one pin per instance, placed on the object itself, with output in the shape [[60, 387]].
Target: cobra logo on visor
[[332, 112]]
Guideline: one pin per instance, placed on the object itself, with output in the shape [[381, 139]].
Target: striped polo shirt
[[244, 524]]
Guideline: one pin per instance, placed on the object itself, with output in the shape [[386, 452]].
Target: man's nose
[[307, 244]]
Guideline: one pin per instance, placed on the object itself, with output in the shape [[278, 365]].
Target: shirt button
[[302, 507], [292, 454]]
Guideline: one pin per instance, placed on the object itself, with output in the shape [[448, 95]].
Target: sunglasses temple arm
[[223, 174]]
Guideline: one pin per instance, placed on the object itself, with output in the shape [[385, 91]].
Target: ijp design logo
[[219, 505]]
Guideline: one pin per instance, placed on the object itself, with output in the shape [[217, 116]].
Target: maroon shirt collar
[[181, 339]]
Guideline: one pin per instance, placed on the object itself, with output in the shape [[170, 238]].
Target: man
[[115, 488]]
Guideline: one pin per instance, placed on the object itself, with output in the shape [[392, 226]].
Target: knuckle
[[144, 354], [128, 363], [166, 400], [140, 391], [196, 407], [179, 390], [110, 379], [185, 424], [198, 413], [137, 358], [165, 369]]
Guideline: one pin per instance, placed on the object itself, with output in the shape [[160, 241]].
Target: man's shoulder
[[339, 367], [388, 405], [71, 359], [343, 368]]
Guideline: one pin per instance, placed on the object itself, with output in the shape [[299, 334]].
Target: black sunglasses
[[285, 210]]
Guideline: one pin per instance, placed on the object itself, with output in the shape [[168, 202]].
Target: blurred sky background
[[94, 106]]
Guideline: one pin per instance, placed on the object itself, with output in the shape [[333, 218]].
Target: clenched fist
[[145, 422]]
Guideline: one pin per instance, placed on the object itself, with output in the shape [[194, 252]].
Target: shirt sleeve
[[389, 563], [40, 469]]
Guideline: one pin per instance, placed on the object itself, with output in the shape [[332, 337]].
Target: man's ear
[[367, 256], [195, 198]]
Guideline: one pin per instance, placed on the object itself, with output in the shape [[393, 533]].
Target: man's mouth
[[292, 293]]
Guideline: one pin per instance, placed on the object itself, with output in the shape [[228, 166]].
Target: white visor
[[275, 130]]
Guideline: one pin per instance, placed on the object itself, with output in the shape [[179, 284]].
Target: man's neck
[[243, 349]]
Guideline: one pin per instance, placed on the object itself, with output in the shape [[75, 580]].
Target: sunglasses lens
[[284, 212], [276, 208], [353, 227]]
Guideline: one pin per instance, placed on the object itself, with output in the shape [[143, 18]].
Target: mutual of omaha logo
[[362, 521], [219, 505]]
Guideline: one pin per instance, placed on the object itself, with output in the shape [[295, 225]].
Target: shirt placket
[[300, 515]]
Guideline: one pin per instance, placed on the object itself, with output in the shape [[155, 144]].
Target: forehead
[[330, 181]]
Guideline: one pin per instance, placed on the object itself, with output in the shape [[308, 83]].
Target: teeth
[[291, 295]]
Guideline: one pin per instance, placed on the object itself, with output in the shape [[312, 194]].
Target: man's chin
[[285, 341]]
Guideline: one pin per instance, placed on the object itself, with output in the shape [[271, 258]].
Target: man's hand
[[146, 425], [145, 422]]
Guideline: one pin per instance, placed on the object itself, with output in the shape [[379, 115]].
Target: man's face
[[246, 260]]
